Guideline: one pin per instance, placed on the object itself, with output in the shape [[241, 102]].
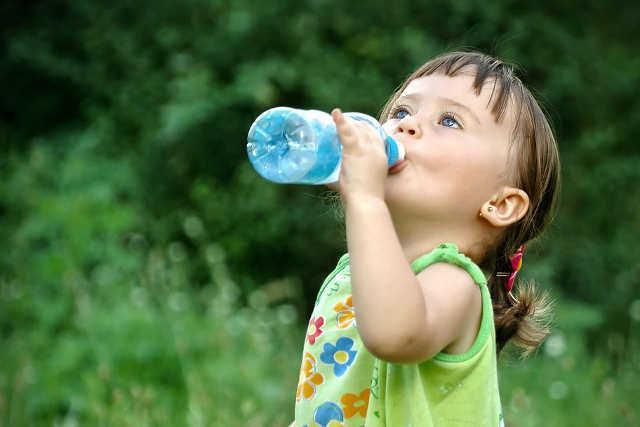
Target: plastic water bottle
[[288, 145]]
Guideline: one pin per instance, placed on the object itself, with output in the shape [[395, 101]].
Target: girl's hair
[[525, 316]]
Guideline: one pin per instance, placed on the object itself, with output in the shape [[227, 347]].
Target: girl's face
[[456, 154]]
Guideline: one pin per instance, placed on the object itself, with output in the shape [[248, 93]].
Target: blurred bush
[[101, 327], [131, 217]]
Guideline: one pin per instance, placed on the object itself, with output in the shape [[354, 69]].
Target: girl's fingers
[[336, 113], [345, 127], [349, 129]]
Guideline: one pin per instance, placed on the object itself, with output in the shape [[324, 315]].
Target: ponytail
[[522, 315]]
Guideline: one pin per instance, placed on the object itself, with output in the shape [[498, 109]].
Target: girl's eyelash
[[450, 115], [445, 114], [397, 108]]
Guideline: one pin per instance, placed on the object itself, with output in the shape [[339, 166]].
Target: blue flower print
[[340, 355], [328, 414]]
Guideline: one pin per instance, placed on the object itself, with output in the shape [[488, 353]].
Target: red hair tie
[[516, 265]]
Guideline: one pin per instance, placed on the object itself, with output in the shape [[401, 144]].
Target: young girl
[[406, 329]]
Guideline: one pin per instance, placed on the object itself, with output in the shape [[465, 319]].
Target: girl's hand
[[364, 160]]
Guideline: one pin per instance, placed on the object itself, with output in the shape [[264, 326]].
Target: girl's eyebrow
[[417, 96]]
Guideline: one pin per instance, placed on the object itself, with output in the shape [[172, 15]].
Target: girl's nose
[[410, 126]]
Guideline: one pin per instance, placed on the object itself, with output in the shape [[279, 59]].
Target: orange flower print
[[346, 315], [309, 379], [314, 330], [355, 403]]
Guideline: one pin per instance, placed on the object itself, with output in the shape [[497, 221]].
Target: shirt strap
[[449, 253]]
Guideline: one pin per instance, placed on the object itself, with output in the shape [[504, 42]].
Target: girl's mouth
[[398, 167]]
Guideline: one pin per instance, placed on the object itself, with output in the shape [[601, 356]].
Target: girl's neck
[[418, 239]]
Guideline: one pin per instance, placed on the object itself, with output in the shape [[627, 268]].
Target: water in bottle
[[288, 145]]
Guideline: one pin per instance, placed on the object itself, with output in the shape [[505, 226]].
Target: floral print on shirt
[[346, 315], [309, 378], [340, 355], [329, 414], [315, 329], [355, 403]]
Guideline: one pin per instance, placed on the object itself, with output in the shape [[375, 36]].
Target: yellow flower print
[[355, 403], [346, 315], [309, 379]]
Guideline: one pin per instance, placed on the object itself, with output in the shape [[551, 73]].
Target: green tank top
[[342, 384]]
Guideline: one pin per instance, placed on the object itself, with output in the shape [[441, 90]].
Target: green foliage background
[[150, 277]]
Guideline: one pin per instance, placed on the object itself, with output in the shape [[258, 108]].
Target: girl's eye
[[398, 113], [449, 120]]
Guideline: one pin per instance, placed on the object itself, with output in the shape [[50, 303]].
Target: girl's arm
[[401, 317]]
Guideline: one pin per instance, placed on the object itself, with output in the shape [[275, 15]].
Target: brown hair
[[524, 315]]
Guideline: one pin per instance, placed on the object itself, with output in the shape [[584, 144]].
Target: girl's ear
[[510, 205]]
